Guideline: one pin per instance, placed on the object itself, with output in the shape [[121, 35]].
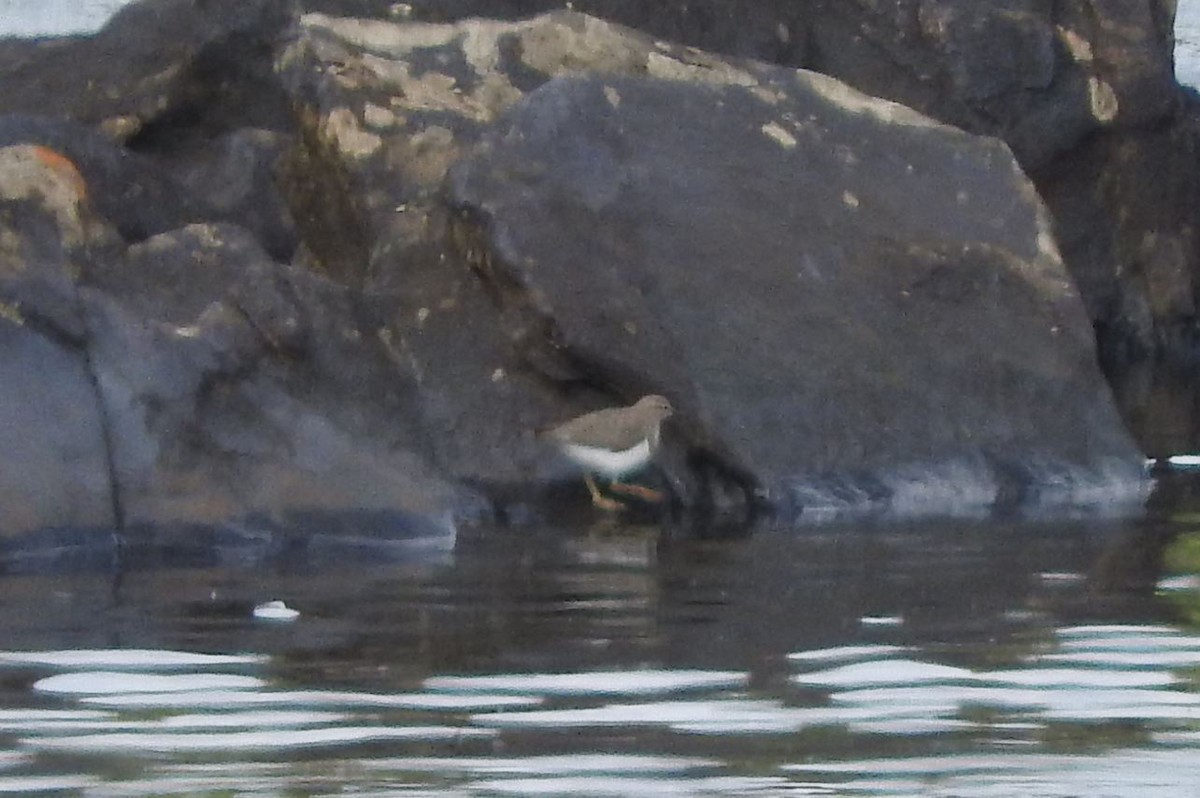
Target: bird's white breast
[[610, 464]]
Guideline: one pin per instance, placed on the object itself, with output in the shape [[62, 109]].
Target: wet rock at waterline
[[185, 379], [854, 304], [505, 225]]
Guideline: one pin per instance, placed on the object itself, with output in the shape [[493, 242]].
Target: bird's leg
[[641, 491], [599, 499]]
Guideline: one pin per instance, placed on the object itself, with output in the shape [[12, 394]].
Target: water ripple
[[641, 682]]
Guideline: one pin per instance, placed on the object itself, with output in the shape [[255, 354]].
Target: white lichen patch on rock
[[1103, 100], [1046, 268], [1047, 244], [436, 91], [378, 117], [612, 96], [768, 95], [385, 45], [431, 153], [11, 312], [494, 94], [553, 46], [384, 38], [855, 101], [1079, 47], [714, 73], [779, 134], [11, 261], [342, 128], [480, 44]]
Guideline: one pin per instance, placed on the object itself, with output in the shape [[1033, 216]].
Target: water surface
[[932, 658]]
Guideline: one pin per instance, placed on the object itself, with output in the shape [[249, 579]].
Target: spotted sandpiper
[[612, 443]]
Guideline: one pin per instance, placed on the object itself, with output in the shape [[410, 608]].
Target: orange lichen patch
[[62, 166]]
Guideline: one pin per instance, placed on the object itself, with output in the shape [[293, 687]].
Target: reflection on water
[[957, 659]]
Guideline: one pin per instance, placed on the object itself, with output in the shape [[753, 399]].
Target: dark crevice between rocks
[[78, 341], [230, 85], [319, 191], [114, 481], [529, 328], [725, 489], [1157, 392]]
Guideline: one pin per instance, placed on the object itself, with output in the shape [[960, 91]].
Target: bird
[[613, 443]]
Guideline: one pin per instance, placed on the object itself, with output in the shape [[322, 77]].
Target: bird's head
[[655, 406]]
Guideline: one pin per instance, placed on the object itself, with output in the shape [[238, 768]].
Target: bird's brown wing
[[610, 428]]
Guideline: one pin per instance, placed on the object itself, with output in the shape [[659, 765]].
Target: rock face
[[1083, 93], [851, 303], [392, 251], [185, 379], [52, 426], [848, 319]]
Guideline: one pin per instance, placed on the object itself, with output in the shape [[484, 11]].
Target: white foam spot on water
[[1061, 577], [881, 620], [275, 611]]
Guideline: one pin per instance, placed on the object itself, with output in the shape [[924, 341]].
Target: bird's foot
[[605, 503], [599, 499], [640, 491]]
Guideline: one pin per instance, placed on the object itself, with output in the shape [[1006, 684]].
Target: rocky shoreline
[[264, 262]]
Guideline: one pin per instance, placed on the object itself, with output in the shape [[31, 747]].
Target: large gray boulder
[[1083, 93], [852, 304]]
